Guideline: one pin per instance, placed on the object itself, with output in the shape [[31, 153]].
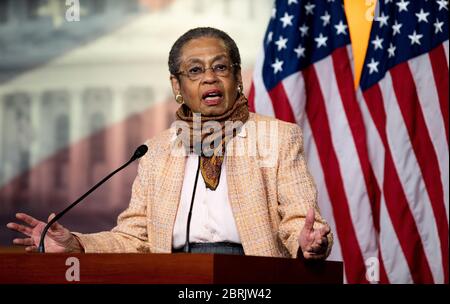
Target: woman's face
[[208, 94]]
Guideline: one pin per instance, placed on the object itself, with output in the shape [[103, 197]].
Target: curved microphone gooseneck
[[140, 151]]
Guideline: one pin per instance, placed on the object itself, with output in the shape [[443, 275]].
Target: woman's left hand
[[313, 242]]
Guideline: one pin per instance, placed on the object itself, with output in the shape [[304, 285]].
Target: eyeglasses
[[198, 71]]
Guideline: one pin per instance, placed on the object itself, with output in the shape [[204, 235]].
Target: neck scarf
[[213, 140]]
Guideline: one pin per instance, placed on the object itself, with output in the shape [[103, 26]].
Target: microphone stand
[[140, 151], [187, 247]]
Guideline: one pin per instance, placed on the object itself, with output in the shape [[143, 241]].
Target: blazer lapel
[[246, 194]]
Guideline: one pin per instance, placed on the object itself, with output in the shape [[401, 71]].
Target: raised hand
[[313, 242], [57, 239]]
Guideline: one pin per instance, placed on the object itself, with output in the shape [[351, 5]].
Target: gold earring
[[179, 98], [240, 89]]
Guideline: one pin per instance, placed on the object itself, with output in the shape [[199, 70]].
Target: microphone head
[[140, 151]]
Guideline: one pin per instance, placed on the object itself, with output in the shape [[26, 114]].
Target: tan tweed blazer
[[269, 191]]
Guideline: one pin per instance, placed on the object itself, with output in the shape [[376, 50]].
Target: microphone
[[140, 151], [187, 248]]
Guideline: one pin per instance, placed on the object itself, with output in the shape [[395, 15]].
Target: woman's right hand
[[58, 238]]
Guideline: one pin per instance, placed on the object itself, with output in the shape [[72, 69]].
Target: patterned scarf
[[214, 141]]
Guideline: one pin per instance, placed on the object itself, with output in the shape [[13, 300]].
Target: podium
[[180, 268]]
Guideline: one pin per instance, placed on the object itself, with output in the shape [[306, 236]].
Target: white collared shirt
[[212, 218]]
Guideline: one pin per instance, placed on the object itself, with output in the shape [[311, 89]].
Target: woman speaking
[[210, 184]]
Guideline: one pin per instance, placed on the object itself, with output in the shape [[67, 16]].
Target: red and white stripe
[[379, 159]]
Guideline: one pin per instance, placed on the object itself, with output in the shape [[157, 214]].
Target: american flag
[[379, 154]]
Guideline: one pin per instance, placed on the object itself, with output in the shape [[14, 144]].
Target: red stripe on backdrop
[[383, 275], [281, 104], [251, 98], [378, 115], [406, 93], [316, 113], [342, 70], [396, 202], [440, 72]]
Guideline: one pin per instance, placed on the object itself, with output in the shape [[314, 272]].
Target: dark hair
[[199, 32]]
